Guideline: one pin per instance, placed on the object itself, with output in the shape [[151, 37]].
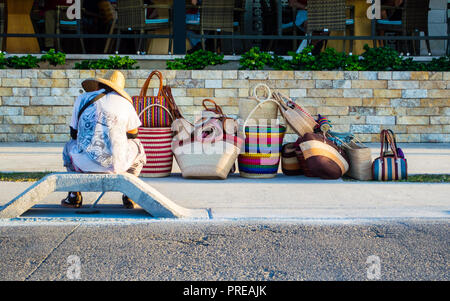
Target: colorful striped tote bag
[[390, 165], [157, 116]]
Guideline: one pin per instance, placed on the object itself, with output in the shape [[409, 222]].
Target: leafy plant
[[54, 58], [303, 60], [439, 64], [381, 59], [22, 62], [196, 61], [113, 62], [255, 59]]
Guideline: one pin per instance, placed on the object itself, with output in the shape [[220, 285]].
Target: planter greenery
[[113, 62], [30, 61], [373, 59], [196, 61]]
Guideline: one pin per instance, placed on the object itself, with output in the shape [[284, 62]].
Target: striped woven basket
[[261, 156], [157, 144]]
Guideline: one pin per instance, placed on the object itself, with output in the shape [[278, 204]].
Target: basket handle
[[255, 108], [269, 92], [156, 105], [147, 82], [217, 109]]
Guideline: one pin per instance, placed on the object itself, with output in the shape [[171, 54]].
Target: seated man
[[104, 134]]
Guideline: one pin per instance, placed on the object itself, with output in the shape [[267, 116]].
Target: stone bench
[[151, 200]]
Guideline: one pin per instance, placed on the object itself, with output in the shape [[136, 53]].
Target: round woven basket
[[264, 114], [157, 142]]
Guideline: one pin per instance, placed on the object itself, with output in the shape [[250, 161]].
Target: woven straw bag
[[264, 114], [360, 157], [205, 150], [298, 118], [157, 144], [261, 156]]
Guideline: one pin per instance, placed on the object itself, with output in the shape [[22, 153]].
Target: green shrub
[[303, 60], [381, 59], [22, 62], [114, 62], [196, 61], [255, 59], [54, 58]]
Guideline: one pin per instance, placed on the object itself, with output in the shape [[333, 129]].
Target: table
[[19, 21]]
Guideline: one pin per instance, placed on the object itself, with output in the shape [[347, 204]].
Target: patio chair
[[331, 15], [414, 20], [216, 16], [63, 23], [132, 16]]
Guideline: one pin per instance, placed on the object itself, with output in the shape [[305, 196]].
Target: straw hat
[[116, 82]]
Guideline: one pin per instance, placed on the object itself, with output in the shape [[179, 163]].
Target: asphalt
[[173, 250]]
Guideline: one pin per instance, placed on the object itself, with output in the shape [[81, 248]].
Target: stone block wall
[[36, 105]]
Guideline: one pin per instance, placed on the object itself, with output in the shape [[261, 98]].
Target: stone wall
[[36, 105]]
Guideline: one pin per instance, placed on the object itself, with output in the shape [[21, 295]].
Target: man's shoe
[[127, 202], [73, 200]]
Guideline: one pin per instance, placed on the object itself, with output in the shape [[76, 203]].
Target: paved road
[[257, 250]]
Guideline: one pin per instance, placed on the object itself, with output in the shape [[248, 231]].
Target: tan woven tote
[[360, 157], [264, 114], [298, 118]]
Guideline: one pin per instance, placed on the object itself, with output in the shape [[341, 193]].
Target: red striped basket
[[157, 144]]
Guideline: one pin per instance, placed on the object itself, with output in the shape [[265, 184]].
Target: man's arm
[[132, 134], [296, 4]]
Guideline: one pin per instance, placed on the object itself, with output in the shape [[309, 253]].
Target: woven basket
[[207, 160], [298, 118], [264, 114], [289, 161], [261, 156], [360, 157], [157, 144]]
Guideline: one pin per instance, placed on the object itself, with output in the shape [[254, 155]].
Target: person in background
[[103, 129], [391, 15], [301, 18], [193, 17], [50, 21]]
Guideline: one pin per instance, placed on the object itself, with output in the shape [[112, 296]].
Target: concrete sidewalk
[[423, 158], [283, 197]]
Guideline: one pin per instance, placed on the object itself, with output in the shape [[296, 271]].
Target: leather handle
[[217, 109], [147, 82]]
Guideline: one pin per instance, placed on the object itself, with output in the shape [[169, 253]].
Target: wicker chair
[[414, 20], [132, 17], [330, 15], [63, 23], [216, 16]]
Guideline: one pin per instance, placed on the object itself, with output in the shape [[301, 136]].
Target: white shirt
[[102, 144]]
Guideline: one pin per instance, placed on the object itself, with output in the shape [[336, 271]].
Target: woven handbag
[[263, 143], [157, 116], [389, 166], [323, 158], [264, 114], [298, 118], [360, 157], [157, 144], [289, 161], [206, 150]]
